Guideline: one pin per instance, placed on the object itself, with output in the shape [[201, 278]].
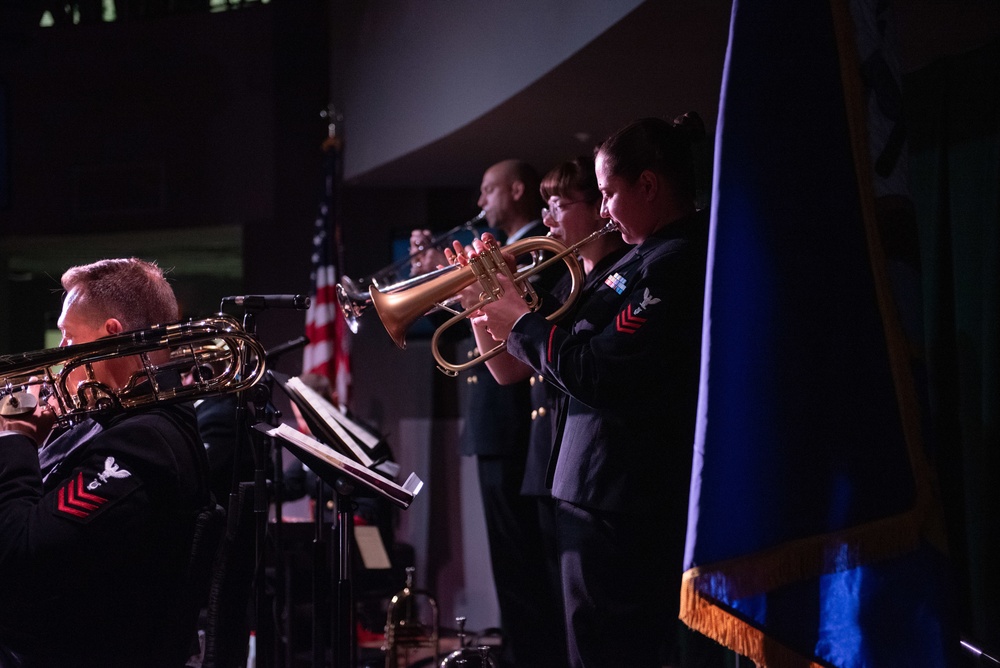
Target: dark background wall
[[192, 121]]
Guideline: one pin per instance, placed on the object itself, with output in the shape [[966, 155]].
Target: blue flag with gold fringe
[[814, 536]]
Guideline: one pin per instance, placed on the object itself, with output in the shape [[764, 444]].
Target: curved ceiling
[[661, 59]]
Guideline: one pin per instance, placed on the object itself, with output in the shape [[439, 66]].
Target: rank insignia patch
[[627, 322], [76, 501]]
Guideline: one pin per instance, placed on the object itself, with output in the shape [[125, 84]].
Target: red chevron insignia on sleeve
[[75, 501], [628, 323]]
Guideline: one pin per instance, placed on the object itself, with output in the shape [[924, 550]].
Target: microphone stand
[[281, 602], [320, 579], [265, 646], [345, 641], [265, 634], [263, 637]]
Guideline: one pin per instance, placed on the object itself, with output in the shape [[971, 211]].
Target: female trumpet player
[[627, 358]]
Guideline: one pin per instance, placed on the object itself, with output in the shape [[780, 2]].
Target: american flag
[[328, 350]]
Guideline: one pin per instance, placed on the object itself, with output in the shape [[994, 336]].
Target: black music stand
[[346, 477]]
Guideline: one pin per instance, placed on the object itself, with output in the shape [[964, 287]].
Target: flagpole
[[326, 356], [345, 649], [333, 147]]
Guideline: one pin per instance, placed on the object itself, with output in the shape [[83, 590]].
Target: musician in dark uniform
[[96, 526], [572, 214], [496, 431], [628, 359]]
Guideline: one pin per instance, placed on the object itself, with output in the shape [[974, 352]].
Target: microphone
[[285, 347], [261, 302]]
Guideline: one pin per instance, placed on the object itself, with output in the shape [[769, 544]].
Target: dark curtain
[[953, 118]]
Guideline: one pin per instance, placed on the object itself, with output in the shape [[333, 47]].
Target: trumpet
[[399, 309], [353, 295], [411, 626], [220, 356]]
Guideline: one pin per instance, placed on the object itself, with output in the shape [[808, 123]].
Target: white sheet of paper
[[371, 547]]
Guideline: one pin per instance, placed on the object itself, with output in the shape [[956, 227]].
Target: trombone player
[[97, 519]]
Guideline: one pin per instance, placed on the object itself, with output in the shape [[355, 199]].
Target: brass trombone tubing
[[245, 365]]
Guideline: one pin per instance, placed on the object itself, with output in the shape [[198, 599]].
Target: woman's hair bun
[[691, 125]]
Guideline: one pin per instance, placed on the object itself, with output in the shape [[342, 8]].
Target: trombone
[[401, 308], [221, 357], [353, 295]]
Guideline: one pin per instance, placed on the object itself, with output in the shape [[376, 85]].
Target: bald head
[[509, 195]]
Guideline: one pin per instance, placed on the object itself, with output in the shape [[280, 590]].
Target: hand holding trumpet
[[398, 307], [498, 316], [424, 255]]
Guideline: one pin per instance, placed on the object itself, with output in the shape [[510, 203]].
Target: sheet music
[[371, 547], [402, 495], [336, 420], [369, 439]]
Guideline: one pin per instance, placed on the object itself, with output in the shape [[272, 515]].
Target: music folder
[[332, 426], [331, 465]]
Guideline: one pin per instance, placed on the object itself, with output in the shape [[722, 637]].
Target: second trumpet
[[399, 309], [352, 295]]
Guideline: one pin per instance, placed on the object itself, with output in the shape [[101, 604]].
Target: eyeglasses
[[557, 211]]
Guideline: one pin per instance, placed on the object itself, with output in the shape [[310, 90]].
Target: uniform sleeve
[[620, 344], [92, 516], [20, 479]]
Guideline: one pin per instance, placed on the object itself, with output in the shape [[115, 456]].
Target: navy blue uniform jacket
[[629, 361], [91, 558]]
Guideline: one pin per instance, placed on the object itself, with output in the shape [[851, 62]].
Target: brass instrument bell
[[411, 627], [468, 656]]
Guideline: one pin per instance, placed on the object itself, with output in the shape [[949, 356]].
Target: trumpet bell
[[352, 301], [468, 656], [353, 295], [399, 310]]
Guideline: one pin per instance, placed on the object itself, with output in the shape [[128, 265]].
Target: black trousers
[[530, 612], [621, 587]]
